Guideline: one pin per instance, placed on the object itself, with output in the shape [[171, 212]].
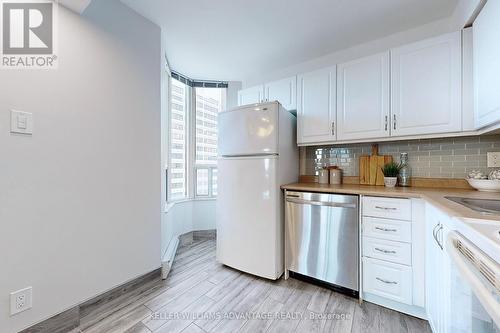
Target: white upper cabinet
[[283, 91], [251, 95], [426, 92], [316, 106], [486, 46], [468, 123], [363, 98]]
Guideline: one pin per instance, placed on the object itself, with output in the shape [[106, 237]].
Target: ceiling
[[235, 39]]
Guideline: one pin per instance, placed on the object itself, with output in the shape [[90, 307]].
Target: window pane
[[202, 182], [178, 122], [214, 182], [209, 102]]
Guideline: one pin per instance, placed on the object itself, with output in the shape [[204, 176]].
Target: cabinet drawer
[[395, 230], [391, 208], [396, 252], [388, 280]]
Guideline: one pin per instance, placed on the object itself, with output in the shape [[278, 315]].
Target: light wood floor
[[198, 287]]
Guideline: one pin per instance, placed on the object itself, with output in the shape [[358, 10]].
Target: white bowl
[[485, 185]]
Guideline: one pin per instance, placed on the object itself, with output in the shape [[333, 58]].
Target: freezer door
[[249, 130], [249, 227]]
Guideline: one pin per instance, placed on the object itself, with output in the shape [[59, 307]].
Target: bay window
[[193, 133]]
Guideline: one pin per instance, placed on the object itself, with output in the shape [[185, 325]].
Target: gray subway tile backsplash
[[435, 158]]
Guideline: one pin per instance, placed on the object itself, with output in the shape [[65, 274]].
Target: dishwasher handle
[[320, 203]]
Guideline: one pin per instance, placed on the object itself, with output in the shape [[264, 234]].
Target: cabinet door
[[445, 277], [486, 46], [283, 91], [437, 270], [363, 98], [432, 270], [251, 95], [468, 117], [316, 106], [426, 86]]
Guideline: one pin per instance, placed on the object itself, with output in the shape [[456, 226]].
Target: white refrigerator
[[257, 154]]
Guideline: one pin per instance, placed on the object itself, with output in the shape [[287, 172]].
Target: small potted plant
[[391, 171]]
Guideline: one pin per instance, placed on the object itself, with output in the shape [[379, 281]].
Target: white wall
[[186, 216], [383, 44], [465, 11], [80, 204], [232, 93], [164, 140]]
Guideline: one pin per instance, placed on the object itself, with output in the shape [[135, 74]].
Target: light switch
[[21, 122]]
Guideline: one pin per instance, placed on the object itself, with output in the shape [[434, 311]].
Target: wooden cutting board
[[370, 167]]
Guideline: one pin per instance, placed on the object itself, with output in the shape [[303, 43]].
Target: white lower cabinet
[[437, 269], [387, 229], [393, 247], [387, 208], [388, 280], [396, 252]]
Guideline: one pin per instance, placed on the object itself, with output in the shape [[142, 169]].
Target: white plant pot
[[390, 181]]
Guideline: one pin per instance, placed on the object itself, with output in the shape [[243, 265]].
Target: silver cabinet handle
[[434, 232], [386, 122], [320, 203], [385, 229], [384, 251], [387, 282], [437, 240], [394, 122], [333, 128], [385, 208]]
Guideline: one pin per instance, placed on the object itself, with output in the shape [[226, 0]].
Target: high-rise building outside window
[[209, 102], [193, 135], [178, 141]]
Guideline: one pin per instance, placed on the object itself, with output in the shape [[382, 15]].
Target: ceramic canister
[[323, 176], [335, 175]]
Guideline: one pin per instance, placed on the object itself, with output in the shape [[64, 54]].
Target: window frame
[[210, 169], [190, 149], [187, 137]]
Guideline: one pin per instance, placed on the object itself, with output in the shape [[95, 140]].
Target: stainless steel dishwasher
[[322, 237]]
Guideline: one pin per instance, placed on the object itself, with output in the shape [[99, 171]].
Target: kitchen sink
[[485, 206]]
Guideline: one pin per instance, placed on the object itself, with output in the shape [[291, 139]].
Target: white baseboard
[[168, 257], [412, 310]]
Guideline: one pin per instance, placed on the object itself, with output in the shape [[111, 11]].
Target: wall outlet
[[21, 300], [493, 159]]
